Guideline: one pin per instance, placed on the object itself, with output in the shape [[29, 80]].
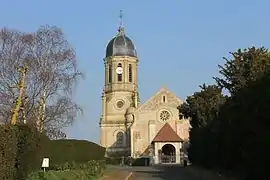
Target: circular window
[[164, 115], [120, 104]]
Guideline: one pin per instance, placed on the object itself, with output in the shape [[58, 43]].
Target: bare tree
[[51, 77]]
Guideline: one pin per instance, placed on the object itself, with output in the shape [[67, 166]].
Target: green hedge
[[78, 159], [20, 146], [8, 148], [30, 144], [113, 160], [73, 151], [23, 149], [128, 161]]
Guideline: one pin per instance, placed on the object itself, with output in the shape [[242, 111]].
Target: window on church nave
[[119, 139], [164, 99], [119, 75], [129, 73]]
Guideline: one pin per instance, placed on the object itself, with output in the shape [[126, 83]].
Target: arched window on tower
[[110, 73], [119, 75], [120, 139], [129, 73]]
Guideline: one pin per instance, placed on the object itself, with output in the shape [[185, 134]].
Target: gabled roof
[[167, 134], [158, 93]]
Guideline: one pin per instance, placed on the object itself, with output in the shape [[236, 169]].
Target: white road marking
[[128, 176]]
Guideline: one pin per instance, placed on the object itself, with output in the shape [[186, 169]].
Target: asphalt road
[[162, 173], [166, 172]]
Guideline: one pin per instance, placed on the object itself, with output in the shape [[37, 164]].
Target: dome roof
[[121, 45]]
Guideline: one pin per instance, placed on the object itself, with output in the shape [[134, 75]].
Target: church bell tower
[[120, 92]]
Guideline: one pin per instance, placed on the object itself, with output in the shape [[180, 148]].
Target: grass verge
[[62, 175]]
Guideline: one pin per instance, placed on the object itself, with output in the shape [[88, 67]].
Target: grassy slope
[[63, 175]]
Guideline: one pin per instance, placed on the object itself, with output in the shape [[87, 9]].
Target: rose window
[[164, 115]]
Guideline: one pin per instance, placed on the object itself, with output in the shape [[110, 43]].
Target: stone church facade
[[127, 127]]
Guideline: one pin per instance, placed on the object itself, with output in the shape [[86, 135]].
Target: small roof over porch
[[167, 134]]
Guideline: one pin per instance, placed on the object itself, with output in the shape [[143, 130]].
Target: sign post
[[45, 163]]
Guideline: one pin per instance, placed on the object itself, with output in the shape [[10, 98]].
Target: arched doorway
[[168, 154]]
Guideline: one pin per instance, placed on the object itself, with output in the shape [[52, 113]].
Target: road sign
[[45, 163]]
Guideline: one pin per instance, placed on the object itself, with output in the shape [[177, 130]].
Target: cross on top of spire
[[121, 26]]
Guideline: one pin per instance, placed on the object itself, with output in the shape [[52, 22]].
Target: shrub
[[113, 160], [23, 148], [93, 168], [29, 147], [141, 162], [8, 148], [87, 170], [37, 176], [20, 146]]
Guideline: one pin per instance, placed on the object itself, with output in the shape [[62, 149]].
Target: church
[[131, 128]]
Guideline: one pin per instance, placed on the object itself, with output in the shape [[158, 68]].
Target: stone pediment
[[157, 100]]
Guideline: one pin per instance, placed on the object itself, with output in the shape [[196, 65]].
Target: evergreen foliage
[[232, 132]]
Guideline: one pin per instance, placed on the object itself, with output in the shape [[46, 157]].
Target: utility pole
[[21, 87]]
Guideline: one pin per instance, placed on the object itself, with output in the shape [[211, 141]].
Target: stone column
[[177, 153], [132, 153], [104, 107], [156, 145]]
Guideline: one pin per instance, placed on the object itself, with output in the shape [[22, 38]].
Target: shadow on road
[[165, 172], [175, 172], [169, 172]]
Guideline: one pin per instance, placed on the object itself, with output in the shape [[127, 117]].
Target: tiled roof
[[167, 134]]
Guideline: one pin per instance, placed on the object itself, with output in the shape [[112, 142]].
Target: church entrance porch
[[167, 154], [167, 145]]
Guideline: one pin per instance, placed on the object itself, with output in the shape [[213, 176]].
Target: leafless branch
[[51, 67]]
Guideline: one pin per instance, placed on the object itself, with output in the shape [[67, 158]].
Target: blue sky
[[179, 42]]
